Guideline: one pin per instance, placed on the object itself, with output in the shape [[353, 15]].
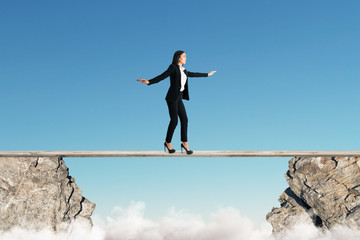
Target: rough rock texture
[[37, 193], [327, 189]]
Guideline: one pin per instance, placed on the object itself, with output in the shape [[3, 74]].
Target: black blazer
[[175, 81]]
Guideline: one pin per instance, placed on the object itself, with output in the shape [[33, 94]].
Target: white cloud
[[224, 224]]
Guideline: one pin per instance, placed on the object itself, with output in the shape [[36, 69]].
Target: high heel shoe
[[187, 152], [170, 151]]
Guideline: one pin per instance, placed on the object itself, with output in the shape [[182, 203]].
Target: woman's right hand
[[144, 81]]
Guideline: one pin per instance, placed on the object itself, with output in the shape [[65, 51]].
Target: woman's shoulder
[[172, 67]]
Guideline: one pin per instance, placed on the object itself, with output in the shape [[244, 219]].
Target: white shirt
[[183, 78]]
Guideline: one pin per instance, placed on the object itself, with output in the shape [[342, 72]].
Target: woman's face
[[182, 59]]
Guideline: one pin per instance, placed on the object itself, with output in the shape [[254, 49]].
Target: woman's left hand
[[211, 73]]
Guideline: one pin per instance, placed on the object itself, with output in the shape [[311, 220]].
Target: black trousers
[[177, 108]]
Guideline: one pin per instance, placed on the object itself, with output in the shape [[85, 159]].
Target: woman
[[178, 90]]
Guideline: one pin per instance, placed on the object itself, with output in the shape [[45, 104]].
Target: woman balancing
[[178, 90]]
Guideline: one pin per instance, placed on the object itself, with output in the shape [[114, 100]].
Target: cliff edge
[[37, 193], [324, 191]]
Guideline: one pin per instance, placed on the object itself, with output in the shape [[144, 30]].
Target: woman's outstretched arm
[[195, 74], [158, 78]]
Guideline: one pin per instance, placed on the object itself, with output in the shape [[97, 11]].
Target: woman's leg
[[173, 112], [183, 120]]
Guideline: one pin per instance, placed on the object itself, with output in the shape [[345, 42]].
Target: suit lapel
[[179, 74]]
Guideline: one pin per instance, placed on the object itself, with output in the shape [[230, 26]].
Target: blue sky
[[287, 79]]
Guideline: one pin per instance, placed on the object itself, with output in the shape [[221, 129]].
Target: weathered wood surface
[[179, 154]]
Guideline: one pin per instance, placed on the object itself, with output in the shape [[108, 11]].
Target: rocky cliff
[[322, 190], [37, 193]]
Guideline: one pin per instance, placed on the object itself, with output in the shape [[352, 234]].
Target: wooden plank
[[178, 154]]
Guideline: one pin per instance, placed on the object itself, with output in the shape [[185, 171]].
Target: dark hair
[[176, 57]]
